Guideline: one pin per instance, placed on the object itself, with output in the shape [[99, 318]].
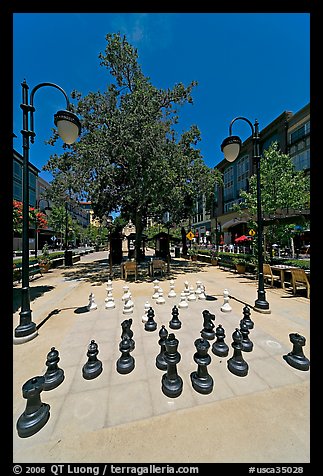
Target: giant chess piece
[[296, 357], [226, 306], [92, 304], [246, 343], [109, 301], [201, 380], [192, 295], [175, 323], [156, 288], [54, 376], [172, 383], [128, 305], [236, 364], [150, 325], [36, 413], [160, 359], [198, 289], [125, 363], [172, 292], [208, 327], [93, 366], [144, 318], [246, 317], [160, 299], [183, 304], [219, 347], [126, 331], [202, 294]]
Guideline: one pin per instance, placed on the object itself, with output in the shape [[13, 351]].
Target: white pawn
[[183, 303], [186, 289], [191, 296], [109, 301], [144, 318], [156, 288], [226, 306], [202, 295], [92, 304], [126, 293], [198, 288], [160, 299], [109, 285], [172, 286], [128, 306]]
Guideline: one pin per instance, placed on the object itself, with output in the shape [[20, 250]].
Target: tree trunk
[[138, 242]]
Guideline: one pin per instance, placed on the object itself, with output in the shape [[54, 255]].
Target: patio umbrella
[[242, 238]]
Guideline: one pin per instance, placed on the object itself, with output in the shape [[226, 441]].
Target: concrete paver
[[263, 417]]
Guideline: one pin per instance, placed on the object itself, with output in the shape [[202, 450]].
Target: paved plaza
[[261, 418]]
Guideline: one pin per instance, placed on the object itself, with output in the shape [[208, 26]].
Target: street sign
[[190, 235], [252, 232]]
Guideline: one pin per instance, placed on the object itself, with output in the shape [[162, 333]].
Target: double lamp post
[[69, 128], [231, 148]]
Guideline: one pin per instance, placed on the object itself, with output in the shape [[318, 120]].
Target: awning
[[233, 222]]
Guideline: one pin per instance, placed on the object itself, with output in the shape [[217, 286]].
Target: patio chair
[[157, 266], [130, 268], [300, 281], [268, 274]]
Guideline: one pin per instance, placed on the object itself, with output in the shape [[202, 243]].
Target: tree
[[35, 216], [281, 188], [129, 157]]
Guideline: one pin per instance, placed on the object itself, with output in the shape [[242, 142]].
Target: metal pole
[[26, 330], [261, 304], [66, 232]]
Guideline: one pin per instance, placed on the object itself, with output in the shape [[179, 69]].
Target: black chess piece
[[160, 359], [54, 376], [201, 380], [246, 317], [219, 347], [175, 323], [247, 344], [208, 327], [296, 357], [93, 366], [236, 364], [172, 383], [125, 363], [36, 413], [126, 330], [150, 325]]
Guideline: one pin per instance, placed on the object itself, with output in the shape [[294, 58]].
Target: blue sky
[[255, 65]]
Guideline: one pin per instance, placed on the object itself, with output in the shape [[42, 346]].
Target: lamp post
[[231, 149], [69, 128]]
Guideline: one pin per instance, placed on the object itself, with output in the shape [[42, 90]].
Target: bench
[[34, 268]]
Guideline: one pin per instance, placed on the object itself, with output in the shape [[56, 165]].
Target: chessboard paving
[[114, 399]]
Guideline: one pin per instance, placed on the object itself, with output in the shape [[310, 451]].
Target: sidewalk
[[261, 418]]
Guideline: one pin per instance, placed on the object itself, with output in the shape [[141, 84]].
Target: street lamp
[[69, 128], [231, 149]]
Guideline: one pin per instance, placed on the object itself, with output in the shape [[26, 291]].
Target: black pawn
[[219, 347], [296, 357], [246, 343], [126, 331], [54, 376], [172, 384], [160, 359], [36, 413], [236, 364], [201, 380], [150, 325], [208, 327], [246, 317], [93, 366], [125, 363], [175, 323]]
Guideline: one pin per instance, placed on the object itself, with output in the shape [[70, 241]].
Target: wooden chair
[[158, 266], [268, 274], [300, 280], [130, 268]]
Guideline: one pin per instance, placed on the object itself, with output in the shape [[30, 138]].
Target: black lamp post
[[231, 149], [69, 128]]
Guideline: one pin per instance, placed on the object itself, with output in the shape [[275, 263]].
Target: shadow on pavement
[[35, 292]]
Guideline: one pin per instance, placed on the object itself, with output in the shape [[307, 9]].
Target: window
[[228, 183], [302, 161], [242, 172]]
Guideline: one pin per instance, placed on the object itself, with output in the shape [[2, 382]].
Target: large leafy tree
[[129, 158]]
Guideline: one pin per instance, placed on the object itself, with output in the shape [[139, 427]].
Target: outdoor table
[[282, 268]]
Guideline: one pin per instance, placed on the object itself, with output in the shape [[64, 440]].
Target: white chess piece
[[183, 303], [109, 285], [156, 288], [198, 288], [202, 295], [226, 306], [172, 286], [109, 304], [186, 289], [92, 304], [128, 306], [145, 316], [126, 293], [160, 299], [191, 296]]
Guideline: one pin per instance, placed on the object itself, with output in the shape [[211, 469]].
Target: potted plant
[[214, 257], [240, 264], [44, 259], [192, 253]]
